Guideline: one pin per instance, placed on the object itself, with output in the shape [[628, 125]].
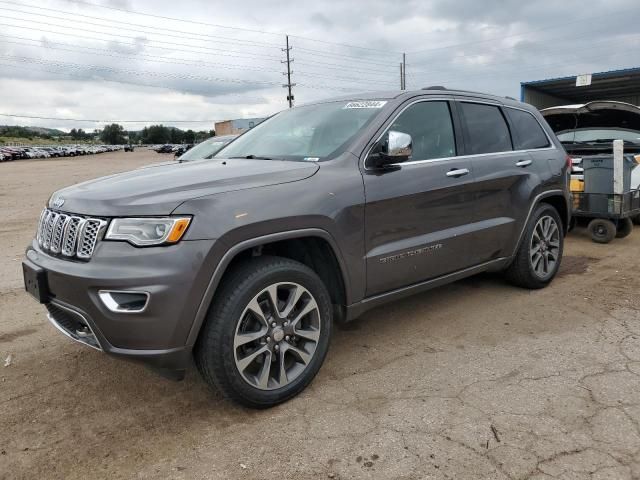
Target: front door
[[418, 213]]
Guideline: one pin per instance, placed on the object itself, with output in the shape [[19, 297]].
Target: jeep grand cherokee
[[317, 214]]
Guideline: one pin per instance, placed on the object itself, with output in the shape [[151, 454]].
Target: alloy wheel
[[277, 336], [544, 250]]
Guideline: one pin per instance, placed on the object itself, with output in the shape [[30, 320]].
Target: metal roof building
[[620, 85]]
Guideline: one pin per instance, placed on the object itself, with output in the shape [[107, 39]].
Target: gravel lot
[[474, 380]]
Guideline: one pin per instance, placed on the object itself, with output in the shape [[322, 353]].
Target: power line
[[120, 22], [511, 62], [95, 67], [502, 37], [511, 48], [140, 72], [109, 53], [537, 67], [159, 59], [131, 38], [195, 22], [33, 117], [238, 42], [174, 19], [136, 45], [242, 97], [344, 67], [303, 73], [389, 52], [319, 53]]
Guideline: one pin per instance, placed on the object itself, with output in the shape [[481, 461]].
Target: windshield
[[310, 133], [206, 149], [599, 134]]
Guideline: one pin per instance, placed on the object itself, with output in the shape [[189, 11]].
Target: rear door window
[[487, 129], [528, 134]]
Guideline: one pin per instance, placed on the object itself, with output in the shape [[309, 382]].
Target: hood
[[600, 114], [159, 190]]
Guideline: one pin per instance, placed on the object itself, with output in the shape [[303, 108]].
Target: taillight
[[569, 162]]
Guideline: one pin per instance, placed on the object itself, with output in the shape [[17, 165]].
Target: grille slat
[[58, 230], [69, 235]]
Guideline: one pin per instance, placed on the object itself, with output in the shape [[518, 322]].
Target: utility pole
[[404, 71], [288, 73], [401, 76]]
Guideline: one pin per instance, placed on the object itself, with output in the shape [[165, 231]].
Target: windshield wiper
[[254, 157]]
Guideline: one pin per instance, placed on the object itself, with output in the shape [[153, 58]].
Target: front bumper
[[175, 277]]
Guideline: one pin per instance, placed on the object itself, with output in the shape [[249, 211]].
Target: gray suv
[[316, 215]]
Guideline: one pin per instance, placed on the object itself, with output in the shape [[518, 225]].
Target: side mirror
[[395, 147]]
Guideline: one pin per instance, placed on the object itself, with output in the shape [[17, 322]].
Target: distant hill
[[39, 131]]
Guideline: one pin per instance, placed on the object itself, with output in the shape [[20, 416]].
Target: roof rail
[[435, 87], [510, 98]]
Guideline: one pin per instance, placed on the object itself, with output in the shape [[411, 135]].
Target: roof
[[391, 94], [610, 84]]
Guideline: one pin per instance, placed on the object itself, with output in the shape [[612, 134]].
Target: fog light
[[120, 301]]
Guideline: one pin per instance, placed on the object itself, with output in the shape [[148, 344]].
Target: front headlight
[[144, 232]]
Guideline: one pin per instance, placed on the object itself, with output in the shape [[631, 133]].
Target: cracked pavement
[[475, 380]]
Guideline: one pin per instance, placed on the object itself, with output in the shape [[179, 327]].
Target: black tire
[[602, 230], [625, 227], [215, 354], [636, 219], [522, 272]]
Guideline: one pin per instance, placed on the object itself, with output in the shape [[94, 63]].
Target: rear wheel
[[625, 227], [602, 230], [267, 332], [540, 253]]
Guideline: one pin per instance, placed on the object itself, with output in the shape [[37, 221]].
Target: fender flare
[[231, 253], [534, 204]]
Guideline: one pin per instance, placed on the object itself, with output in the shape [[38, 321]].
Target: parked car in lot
[[317, 214], [202, 151], [165, 148], [181, 149], [206, 149]]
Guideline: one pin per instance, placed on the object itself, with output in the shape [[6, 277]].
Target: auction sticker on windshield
[[366, 104]]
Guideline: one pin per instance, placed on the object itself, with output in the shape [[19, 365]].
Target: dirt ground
[[476, 380]]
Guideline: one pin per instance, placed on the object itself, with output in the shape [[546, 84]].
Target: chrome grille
[[68, 235], [88, 238]]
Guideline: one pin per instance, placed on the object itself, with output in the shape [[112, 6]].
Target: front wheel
[[267, 332], [540, 252]]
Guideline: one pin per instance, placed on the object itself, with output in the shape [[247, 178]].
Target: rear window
[[528, 134], [486, 128]]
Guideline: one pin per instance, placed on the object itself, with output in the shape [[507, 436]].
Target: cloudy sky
[[191, 62]]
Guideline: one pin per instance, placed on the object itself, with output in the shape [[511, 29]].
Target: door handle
[[457, 172], [523, 163]]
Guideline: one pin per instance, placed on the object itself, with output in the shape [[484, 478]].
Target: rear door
[[418, 213], [504, 178]]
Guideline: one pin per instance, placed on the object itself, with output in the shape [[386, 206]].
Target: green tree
[[113, 134], [190, 136], [156, 134], [176, 135]]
